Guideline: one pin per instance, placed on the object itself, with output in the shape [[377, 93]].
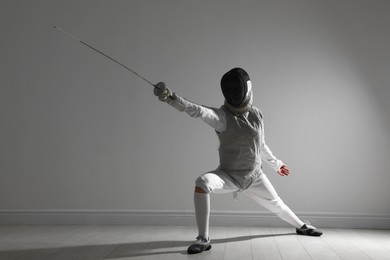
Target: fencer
[[240, 128]]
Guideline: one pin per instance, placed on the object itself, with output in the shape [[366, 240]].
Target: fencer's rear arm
[[266, 154]]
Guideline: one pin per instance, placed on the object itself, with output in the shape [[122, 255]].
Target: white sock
[[202, 212]]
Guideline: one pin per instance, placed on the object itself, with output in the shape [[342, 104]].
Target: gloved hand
[[165, 95], [162, 91]]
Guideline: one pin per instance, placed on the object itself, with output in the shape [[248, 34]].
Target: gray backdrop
[[80, 132]]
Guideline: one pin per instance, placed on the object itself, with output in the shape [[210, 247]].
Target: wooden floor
[[157, 242]]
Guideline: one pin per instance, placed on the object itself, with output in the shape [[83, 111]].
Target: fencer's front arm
[[213, 117], [267, 155]]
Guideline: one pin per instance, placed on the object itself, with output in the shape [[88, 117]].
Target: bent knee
[[199, 190], [209, 182], [202, 185]]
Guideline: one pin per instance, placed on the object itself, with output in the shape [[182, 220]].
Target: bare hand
[[284, 171]]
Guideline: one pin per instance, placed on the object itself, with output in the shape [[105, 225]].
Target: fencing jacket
[[242, 144]]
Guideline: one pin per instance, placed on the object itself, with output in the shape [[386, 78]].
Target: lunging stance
[[240, 128]]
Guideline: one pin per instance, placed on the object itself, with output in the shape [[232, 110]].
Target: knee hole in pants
[[201, 183]]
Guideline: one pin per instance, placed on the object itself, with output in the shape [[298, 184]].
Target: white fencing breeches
[[261, 191]]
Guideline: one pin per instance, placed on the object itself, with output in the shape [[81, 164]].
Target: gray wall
[[79, 132]]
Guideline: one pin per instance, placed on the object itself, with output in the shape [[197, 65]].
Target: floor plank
[[371, 248], [288, 245], [264, 244], [344, 248], [317, 248], [238, 244], [380, 237], [97, 252], [165, 243]]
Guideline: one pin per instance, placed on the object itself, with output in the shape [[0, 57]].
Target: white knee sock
[[202, 212]]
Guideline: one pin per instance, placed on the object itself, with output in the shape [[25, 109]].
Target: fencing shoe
[[201, 244], [308, 230]]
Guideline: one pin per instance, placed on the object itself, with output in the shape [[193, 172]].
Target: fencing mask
[[237, 90]]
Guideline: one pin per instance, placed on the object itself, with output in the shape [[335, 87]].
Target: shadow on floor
[[114, 251]]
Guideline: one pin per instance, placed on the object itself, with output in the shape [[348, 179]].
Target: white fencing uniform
[[242, 151]]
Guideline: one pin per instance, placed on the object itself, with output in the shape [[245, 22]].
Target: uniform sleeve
[[214, 117], [266, 154]]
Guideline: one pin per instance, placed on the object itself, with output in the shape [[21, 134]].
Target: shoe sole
[[193, 253], [308, 234]]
